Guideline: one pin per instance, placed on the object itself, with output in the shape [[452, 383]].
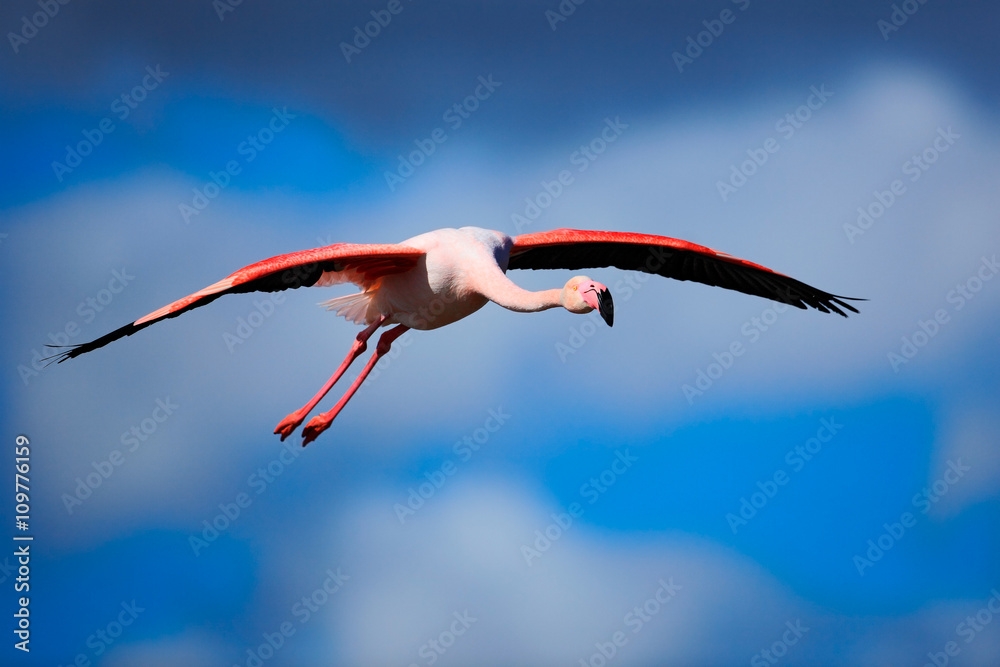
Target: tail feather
[[352, 307]]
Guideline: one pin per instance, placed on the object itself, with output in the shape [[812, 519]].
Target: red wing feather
[[671, 258], [341, 262]]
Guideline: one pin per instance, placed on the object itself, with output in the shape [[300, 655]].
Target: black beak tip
[[606, 307]]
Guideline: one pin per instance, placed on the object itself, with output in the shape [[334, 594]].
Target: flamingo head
[[583, 295]]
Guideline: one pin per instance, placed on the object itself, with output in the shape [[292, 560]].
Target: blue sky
[[839, 476]]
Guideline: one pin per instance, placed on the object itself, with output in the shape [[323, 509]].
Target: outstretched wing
[[362, 265], [670, 258]]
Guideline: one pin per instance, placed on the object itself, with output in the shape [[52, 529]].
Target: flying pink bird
[[442, 276]]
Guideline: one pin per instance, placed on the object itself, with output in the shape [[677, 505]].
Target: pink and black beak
[[605, 304]]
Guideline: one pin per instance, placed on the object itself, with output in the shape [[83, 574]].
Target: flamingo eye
[[576, 287]]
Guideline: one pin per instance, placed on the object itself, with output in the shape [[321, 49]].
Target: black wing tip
[[59, 357], [72, 351], [842, 302], [803, 296]]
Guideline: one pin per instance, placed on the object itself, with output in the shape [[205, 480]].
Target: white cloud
[[194, 649], [968, 440], [463, 552]]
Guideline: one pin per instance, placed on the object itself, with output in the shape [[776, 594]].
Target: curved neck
[[499, 289]]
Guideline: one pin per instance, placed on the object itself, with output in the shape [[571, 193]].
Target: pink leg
[[292, 421], [320, 423]]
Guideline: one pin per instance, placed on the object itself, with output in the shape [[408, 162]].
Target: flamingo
[[440, 277]]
